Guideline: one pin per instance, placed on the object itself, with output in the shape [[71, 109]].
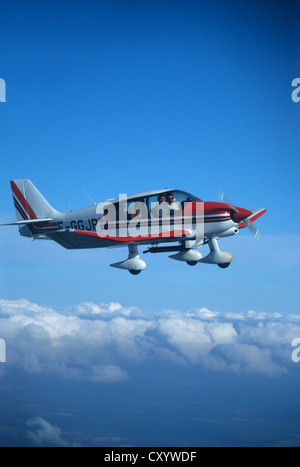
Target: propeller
[[246, 221]]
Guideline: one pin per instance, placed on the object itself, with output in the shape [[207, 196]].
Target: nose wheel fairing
[[216, 256]]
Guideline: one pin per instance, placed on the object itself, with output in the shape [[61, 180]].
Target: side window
[[168, 204], [174, 200], [158, 206], [137, 209]]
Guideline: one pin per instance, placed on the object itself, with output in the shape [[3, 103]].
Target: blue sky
[[121, 97]]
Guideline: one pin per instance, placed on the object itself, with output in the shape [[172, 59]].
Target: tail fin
[[30, 207], [29, 202]]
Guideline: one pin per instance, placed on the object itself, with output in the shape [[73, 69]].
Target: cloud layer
[[101, 342]]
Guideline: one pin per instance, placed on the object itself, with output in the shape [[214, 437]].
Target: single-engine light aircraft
[[170, 221]]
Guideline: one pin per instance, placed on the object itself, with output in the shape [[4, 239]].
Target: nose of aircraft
[[241, 214]]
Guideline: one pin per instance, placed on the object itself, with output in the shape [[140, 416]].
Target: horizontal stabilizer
[[28, 221]]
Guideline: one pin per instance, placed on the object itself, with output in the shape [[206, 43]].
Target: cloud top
[[99, 342]]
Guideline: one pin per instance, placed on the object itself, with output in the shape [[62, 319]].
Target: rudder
[[29, 202]]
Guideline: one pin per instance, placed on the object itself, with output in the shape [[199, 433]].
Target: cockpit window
[[162, 204], [169, 202]]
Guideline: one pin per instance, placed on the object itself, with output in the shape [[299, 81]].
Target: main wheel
[[135, 272], [192, 263], [224, 265]]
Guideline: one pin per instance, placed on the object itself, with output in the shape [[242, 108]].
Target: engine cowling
[[229, 232]]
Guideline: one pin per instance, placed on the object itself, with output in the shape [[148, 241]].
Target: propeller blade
[[253, 229], [248, 223], [224, 199]]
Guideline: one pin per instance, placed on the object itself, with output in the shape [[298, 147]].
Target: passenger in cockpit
[[162, 209]]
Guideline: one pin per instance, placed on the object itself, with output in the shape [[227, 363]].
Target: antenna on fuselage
[[90, 198]]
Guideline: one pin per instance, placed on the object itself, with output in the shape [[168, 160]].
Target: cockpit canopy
[[148, 203]]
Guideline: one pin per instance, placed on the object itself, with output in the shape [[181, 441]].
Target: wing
[[75, 239], [138, 238]]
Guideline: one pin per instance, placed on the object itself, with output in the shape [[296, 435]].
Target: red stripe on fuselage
[[173, 233]]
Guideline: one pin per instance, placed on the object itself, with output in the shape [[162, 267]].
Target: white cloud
[[106, 310], [12, 307], [203, 313], [99, 342], [42, 433]]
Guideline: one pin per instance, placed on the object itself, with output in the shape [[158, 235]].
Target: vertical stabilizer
[[30, 204]]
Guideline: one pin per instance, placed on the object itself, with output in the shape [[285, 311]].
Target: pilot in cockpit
[[162, 209], [173, 205]]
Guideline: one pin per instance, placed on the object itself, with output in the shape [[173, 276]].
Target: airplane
[[181, 222]]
